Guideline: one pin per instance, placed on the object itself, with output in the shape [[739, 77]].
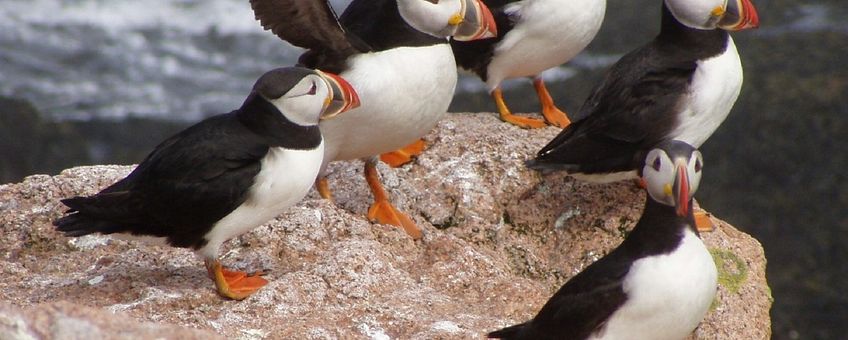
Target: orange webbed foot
[[524, 122], [405, 155], [234, 285], [703, 221], [556, 117], [553, 115], [507, 116], [384, 212]]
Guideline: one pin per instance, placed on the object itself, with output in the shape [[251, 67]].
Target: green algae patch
[[732, 270]]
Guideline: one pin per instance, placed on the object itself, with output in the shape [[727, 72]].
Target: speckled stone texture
[[499, 241]]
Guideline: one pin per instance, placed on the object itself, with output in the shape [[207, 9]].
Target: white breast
[[403, 93], [667, 295], [548, 33], [285, 178], [715, 87]]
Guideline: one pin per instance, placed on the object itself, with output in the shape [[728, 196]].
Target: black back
[[636, 104], [371, 25], [379, 24], [192, 180], [476, 55], [582, 306]]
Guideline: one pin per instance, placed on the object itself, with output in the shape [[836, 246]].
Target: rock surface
[[499, 241]]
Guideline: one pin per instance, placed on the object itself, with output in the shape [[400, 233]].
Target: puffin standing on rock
[[680, 86], [658, 284], [223, 176], [535, 35], [396, 54]]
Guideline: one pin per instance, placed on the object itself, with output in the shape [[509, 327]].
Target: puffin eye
[[313, 89], [697, 165], [657, 163]]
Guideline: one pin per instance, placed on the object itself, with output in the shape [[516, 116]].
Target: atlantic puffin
[[223, 176], [658, 284], [681, 86], [397, 56], [534, 35]]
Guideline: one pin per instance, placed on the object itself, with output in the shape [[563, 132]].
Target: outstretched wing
[[310, 24]]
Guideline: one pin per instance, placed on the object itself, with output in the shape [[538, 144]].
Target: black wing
[[633, 108], [581, 306], [310, 24], [180, 190], [475, 55], [379, 25]]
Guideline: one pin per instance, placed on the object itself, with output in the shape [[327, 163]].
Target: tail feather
[[100, 213], [544, 166], [77, 224]]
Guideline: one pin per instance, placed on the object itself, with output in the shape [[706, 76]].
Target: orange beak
[[344, 97], [681, 191], [478, 22], [739, 15]]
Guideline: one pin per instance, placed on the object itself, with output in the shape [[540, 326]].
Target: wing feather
[[310, 24]]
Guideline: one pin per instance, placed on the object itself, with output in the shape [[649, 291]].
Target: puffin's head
[[461, 19], [730, 15], [306, 96], [671, 174]]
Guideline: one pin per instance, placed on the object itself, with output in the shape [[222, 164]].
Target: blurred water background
[[103, 81]]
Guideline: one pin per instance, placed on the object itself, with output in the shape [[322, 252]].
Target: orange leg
[[323, 187], [703, 222], [232, 284], [552, 114], [507, 116], [405, 155], [382, 210]]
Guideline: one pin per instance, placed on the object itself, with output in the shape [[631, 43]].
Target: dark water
[[108, 79]]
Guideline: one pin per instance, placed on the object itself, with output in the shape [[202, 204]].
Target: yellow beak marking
[[667, 189], [717, 12], [455, 19]]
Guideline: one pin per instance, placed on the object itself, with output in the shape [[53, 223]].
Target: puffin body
[[535, 35], [396, 54], [225, 175], [407, 101], [658, 284], [681, 86]]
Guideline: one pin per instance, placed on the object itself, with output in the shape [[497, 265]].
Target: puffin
[[534, 35], [682, 85], [224, 176], [657, 284], [397, 56]]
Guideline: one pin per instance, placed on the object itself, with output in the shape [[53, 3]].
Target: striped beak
[[680, 191], [342, 97], [475, 21], [739, 15]]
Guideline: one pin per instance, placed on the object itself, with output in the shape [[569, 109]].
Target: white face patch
[[304, 103], [698, 14], [431, 18], [660, 172]]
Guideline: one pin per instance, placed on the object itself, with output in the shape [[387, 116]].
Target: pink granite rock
[[500, 239]]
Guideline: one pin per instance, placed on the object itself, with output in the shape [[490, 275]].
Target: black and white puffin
[[223, 176], [397, 56], [680, 86], [658, 284], [534, 35]]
